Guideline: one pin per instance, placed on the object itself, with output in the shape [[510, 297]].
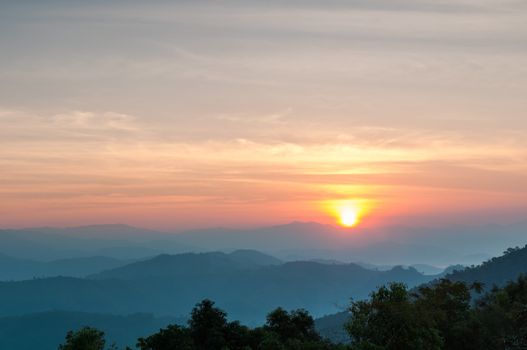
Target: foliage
[[208, 329], [503, 316], [172, 337], [441, 316], [84, 339], [437, 316], [390, 320], [495, 271]]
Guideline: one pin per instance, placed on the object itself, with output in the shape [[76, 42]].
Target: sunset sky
[[191, 114]]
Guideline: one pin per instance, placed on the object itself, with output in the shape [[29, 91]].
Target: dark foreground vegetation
[[209, 329], [441, 315]]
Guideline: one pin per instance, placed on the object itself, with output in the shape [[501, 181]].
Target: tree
[[173, 337], [293, 330], [502, 314], [84, 339], [208, 329], [446, 305], [207, 326], [390, 321], [295, 325]]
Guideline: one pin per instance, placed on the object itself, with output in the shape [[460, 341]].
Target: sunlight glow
[[349, 217], [348, 213]]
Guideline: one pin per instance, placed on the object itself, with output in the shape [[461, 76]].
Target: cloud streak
[[168, 113]]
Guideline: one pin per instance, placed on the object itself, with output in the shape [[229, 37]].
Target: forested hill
[[496, 271], [191, 264], [247, 294]]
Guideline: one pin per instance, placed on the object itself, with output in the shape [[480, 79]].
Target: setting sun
[[349, 217], [348, 213]]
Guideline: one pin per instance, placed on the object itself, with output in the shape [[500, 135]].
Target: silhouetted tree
[[502, 314], [207, 326], [446, 306], [84, 339], [208, 329], [295, 325], [390, 321], [441, 316], [173, 337]]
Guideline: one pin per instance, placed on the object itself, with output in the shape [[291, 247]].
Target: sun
[[348, 216], [348, 213]]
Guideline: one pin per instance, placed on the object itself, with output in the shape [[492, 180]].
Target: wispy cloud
[[146, 111]]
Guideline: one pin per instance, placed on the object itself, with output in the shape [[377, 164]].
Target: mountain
[[295, 235], [290, 242], [254, 257], [428, 269], [20, 269], [332, 327], [105, 232], [171, 285], [314, 241], [474, 244], [451, 269], [494, 272], [190, 264], [49, 328], [116, 241]]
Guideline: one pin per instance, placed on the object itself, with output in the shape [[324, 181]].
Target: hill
[[394, 245], [116, 241], [21, 269], [190, 264], [332, 327], [495, 272], [290, 242], [165, 286], [254, 257]]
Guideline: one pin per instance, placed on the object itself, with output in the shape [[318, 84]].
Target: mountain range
[[246, 283], [294, 241], [21, 269], [115, 275], [148, 293], [495, 272]]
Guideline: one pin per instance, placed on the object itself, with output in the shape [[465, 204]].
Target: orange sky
[[173, 117]]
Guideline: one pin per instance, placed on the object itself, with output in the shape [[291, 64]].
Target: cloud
[[275, 103], [19, 126], [273, 118], [88, 120]]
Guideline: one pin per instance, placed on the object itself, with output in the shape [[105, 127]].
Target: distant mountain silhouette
[[109, 232], [290, 242], [20, 269], [496, 271], [425, 269], [246, 284], [254, 257], [116, 241], [314, 241], [190, 264], [428, 269], [295, 235]]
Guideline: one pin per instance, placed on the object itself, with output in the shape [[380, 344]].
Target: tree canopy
[[438, 316], [441, 315]]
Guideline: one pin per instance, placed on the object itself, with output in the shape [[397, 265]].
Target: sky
[[190, 114]]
